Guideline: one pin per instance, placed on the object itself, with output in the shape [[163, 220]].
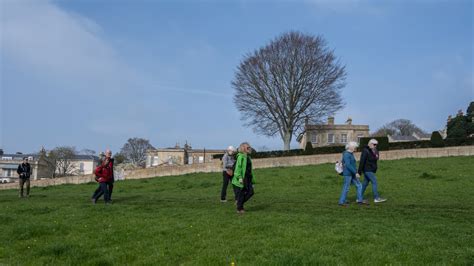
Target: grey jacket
[[227, 161]]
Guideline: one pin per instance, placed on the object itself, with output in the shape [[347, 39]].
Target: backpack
[[339, 166], [233, 169]]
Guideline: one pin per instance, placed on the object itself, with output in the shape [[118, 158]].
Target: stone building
[[332, 134], [9, 164], [180, 156]]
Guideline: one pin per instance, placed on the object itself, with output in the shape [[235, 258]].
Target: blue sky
[[92, 74]]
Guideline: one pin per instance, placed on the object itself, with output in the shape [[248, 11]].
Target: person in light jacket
[[228, 161], [350, 175]]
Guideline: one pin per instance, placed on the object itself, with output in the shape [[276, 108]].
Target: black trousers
[[98, 192], [225, 183], [103, 189], [243, 194]]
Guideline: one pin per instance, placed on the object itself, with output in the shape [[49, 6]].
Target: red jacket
[[105, 171]]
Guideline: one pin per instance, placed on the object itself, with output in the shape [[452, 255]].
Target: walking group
[[352, 174], [237, 170]]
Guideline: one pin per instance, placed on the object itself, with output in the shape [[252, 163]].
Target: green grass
[[293, 219]]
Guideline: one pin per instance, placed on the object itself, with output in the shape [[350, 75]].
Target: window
[[81, 167], [190, 160], [201, 159], [330, 138], [155, 160], [314, 138], [9, 173], [343, 138], [359, 136]]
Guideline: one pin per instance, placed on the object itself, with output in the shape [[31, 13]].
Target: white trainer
[[377, 200]]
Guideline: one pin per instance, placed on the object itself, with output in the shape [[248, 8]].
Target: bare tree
[[294, 78], [60, 161], [134, 151], [87, 152], [399, 127]]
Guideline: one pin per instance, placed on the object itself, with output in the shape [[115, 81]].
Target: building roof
[[423, 136], [403, 138], [9, 166], [337, 127], [19, 156], [36, 156], [85, 157], [189, 151]]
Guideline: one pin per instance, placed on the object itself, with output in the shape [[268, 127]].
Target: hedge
[[436, 139], [382, 145]]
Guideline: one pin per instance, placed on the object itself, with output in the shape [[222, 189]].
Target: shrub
[[436, 139], [459, 141], [410, 145], [309, 148]]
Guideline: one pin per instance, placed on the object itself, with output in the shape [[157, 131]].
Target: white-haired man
[[368, 166], [228, 161], [350, 175]]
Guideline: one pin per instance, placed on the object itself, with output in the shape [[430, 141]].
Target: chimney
[[331, 120], [349, 121]]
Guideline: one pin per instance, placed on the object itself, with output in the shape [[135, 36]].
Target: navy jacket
[[368, 160]]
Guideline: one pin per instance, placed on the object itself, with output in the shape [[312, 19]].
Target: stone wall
[[257, 163]]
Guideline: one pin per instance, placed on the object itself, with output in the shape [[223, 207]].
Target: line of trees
[[60, 161]]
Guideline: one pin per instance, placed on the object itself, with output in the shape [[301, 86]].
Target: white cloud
[[59, 46]]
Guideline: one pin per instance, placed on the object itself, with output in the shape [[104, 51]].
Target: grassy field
[[292, 219]]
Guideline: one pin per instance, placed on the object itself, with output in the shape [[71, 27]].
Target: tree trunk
[[287, 140]]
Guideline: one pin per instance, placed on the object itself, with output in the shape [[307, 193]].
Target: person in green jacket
[[243, 177]]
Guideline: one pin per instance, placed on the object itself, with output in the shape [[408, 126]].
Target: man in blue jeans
[[368, 166]]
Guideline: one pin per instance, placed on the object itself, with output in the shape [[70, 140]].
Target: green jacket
[[240, 166]]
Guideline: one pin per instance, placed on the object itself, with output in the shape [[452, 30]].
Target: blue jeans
[[348, 180], [370, 177]]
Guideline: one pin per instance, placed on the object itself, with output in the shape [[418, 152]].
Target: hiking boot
[[240, 211], [363, 202], [223, 200], [344, 205], [377, 200]]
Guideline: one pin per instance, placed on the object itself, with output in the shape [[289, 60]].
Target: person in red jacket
[[105, 174]]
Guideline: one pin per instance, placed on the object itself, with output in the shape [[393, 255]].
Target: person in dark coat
[[24, 172], [368, 166]]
